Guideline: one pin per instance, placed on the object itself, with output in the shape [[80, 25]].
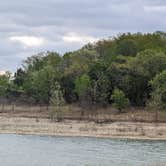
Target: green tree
[[119, 99], [68, 84], [158, 95], [39, 74], [132, 74], [4, 84], [57, 103], [128, 62], [127, 47], [78, 62], [38, 84], [82, 85], [100, 84], [19, 77]]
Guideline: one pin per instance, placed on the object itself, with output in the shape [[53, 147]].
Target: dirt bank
[[15, 125]]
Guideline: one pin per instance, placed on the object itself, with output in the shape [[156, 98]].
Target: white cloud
[[76, 38], [26, 30], [28, 41], [2, 72]]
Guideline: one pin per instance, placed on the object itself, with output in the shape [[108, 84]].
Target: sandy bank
[[129, 130]]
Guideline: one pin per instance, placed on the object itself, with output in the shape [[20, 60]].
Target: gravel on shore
[[129, 130]]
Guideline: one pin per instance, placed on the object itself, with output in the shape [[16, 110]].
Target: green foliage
[[4, 83], [89, 75], [127, 47], [82, 85], [144, 41], [78, 62], [57, 103], [19, 77], [132, 74], [149, 63], [41, 71], [119, 99], [38, 84], [100, 84], [158, 95], [68, 84]]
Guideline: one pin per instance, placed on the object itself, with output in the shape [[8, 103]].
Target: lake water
[[18, 150]]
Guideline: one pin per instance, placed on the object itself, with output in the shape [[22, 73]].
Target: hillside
[[126, 71]]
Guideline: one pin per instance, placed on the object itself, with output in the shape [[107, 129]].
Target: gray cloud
[[52, 20]]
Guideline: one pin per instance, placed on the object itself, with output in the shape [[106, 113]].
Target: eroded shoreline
[[126, 130]]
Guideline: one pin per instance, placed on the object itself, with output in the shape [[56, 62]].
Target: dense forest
[[127, 70]]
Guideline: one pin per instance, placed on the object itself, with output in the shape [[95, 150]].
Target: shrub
[[119, 99]]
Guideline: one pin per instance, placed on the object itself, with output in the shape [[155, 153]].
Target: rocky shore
[[130, 130]]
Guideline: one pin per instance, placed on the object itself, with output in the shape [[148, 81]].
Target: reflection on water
[[18, 150]]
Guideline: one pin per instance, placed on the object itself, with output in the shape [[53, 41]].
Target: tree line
[[129, 69]]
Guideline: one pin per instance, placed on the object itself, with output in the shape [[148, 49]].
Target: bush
[[119, 99]]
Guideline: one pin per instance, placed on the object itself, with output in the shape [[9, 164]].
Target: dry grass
[[74, 112]]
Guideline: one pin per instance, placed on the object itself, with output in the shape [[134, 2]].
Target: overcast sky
[[31, 26]]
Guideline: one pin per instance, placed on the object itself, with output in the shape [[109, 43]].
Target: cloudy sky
[[31, 26]]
